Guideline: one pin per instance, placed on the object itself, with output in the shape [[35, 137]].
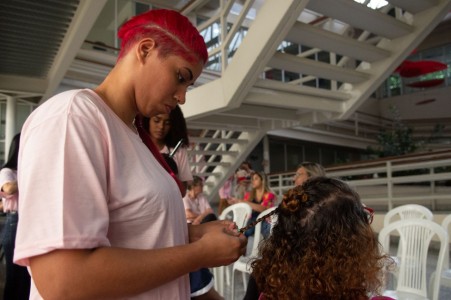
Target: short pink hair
[[173, 33]]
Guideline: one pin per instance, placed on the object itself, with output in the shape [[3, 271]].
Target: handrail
[[423, 178]]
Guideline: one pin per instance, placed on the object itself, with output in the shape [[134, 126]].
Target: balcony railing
[[385, 183]]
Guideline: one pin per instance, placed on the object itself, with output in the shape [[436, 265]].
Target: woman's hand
[[233, 200], [221, 242]]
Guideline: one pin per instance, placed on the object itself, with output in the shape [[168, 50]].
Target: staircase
[[329, 55], [274, 65]]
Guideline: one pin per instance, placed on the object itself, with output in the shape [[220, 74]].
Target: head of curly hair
[[322, 246]]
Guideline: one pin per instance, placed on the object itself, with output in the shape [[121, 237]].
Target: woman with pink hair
[[101, 218]]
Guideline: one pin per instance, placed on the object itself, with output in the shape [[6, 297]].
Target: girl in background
[[166, 131], [259, 198], [17, 281]]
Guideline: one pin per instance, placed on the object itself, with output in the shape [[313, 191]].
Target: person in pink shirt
[[101, 217], [166, 131], [198, 211], [197, 208], [17, 279]]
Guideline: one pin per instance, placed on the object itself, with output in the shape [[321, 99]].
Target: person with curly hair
[[321, 247]]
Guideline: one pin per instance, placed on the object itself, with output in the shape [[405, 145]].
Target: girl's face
[[196, 190], [300, 177], [256, 181], [159, 126], [161, 83]]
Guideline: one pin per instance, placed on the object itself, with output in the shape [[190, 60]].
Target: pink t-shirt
[[197, 205], [182, 161], [86, 180], [9, 201]]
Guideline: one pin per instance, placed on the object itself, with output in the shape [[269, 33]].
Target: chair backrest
[[238, 213], [415, 237], [258, 231], [408, 211], [445, 224]]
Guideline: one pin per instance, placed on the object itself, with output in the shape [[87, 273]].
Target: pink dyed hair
[[173, 33]]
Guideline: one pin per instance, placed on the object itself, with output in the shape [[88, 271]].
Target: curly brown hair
[[322, 246]]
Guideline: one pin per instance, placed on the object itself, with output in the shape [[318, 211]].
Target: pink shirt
[[226, 190], [197, 205], [10, 202], [182, 161], [86, 180]]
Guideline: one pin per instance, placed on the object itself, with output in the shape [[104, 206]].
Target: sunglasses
[[370, 214]]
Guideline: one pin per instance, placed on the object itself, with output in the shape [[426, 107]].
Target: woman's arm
[[190, 215], [108, 272], [200, 217]]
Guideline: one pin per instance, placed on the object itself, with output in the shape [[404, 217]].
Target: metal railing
[[384, 183]]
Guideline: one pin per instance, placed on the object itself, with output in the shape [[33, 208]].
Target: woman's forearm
[[108, 272]]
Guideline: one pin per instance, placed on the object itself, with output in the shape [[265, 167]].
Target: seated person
[[259, 198], [322, 246], [198, 210], [197, 207]]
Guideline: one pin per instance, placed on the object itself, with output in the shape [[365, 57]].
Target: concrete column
[[10, 123]]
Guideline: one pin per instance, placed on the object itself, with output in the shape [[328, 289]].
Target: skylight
[[374, 4]]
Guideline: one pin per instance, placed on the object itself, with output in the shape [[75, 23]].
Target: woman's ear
[[145, 48]]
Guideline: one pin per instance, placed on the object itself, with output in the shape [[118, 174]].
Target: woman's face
[[256, 181], [301, 176], [162, 83], [159, 126]]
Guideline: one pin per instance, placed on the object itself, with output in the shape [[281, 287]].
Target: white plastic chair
[[238, 213], [415, 237], [243, 264], [445, 278], [406, 212]]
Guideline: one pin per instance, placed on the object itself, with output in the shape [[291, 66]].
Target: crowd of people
[[109, 207]]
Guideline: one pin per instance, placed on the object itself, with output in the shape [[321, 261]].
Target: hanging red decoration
[[416, 68]]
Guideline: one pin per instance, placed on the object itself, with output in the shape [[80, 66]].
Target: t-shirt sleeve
[[63, 166]]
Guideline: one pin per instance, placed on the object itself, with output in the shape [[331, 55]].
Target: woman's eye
[[180, 77]]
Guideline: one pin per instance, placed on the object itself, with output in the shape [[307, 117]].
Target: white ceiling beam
[[315, 37], [321, 136], [307, 66], [20, 84], [224, 122], [292, 101], [82, 22], [262, 113], [301, 89]]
